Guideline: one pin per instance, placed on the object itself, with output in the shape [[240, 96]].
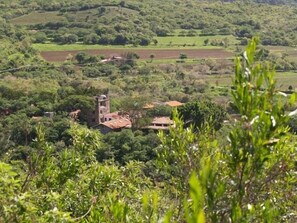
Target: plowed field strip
[[58, 56]]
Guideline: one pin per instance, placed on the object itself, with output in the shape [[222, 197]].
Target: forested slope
[[137, 22]]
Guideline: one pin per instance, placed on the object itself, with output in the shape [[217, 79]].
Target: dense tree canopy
[[203, 112]]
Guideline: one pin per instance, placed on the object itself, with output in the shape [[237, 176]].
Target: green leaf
[[201, 217], [293, 98]]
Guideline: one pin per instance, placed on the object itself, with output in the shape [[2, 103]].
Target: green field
[[80, 46], [38, 17], [168, 42], [280, 48], [289, 52], [194, 41], [284, 80], [173, 41]]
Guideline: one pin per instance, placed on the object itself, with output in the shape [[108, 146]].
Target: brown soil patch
[[58, 56]]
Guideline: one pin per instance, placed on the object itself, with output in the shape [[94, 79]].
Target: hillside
[[179, 111], [137, 22]]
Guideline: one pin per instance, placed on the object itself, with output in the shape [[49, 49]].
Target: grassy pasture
[[37, 18], [280, 48], [293, 55], [168, 42], [84, 15], [218, 80], [115, 9], [194, 41], [111, 11], [55, 16], [284, 80], [79, 46], [290, 51]]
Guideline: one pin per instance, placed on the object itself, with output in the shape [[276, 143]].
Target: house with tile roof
[[114, 125], [160, 123], [173, 103]]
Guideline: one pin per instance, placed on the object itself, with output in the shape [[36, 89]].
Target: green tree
[[152, 56], [128, 61], [40, 37], [232, 182], [182, 153], [159, 111], [71, 38], [183, 56], [101, 10], [81, 57], [258, 150], [70, 185], [74, 102], [134, 108], [203, 112], [92, 38], [126, 146]]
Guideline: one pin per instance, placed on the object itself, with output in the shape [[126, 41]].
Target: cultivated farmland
[[58, 56]]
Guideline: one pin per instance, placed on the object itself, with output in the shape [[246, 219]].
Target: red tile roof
[[173, 103], [147, 106], [118, 123], [160, 123], [74, 114], [36, 118], [162, 120], [113, 115]]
